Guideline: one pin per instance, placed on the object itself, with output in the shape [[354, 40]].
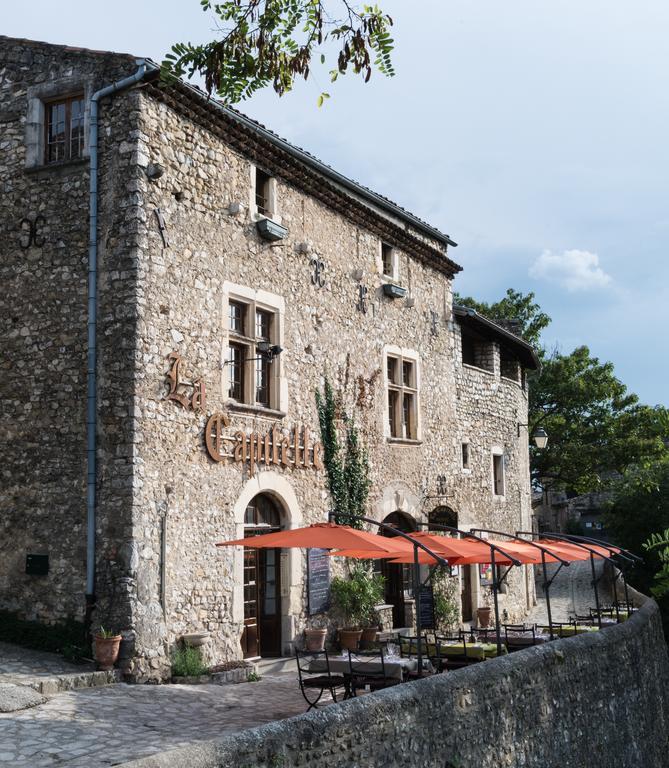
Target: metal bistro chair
[[362, 674], [522, 636], [409, 650], [320, 679], [454, 658]]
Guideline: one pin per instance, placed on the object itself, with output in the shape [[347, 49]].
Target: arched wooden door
[[398, 576], [262, 588]]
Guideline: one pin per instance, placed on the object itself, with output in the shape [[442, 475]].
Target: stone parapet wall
[[599, 700]]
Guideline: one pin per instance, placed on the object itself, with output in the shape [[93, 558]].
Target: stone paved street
[[571, 592], [112, 725]]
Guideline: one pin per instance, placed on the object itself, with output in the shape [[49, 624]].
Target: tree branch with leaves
[[271, 43]]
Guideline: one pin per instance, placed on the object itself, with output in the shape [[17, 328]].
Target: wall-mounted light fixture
[[267, 353], [357, 274], [540, 436]]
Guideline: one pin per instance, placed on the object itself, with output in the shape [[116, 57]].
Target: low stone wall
[[600, 699]]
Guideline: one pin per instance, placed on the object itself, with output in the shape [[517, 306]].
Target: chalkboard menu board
[[427, 607], [318, 584]]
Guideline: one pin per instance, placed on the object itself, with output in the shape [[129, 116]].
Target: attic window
[[262, 184], [64, 129]]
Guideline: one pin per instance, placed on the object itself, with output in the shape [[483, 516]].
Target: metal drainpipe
[[91, 404]]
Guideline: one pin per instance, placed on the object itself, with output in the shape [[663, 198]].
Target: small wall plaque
[[37, 565]]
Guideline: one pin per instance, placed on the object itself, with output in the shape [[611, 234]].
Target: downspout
[[91, 403]]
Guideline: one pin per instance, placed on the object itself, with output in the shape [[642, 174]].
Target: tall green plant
[[356, 598], [660, 543], [347, 471]]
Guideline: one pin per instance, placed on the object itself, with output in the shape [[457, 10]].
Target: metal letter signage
[[274, 447], [362, 299], [196, 398], [318, 278], [29, 227]]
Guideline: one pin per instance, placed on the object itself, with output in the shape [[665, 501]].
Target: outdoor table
[[474, 650], [527, 640], [395, 666], [569, 630]]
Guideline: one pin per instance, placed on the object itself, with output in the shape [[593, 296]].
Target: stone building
[[228, 273]]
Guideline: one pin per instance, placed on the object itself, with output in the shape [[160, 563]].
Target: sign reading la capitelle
[[274, 447]]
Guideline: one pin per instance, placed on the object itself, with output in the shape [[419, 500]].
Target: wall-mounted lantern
[[539, 436]]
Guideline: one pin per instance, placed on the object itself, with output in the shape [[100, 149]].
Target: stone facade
[[176, 248]]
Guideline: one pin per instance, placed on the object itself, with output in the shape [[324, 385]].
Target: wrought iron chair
[[521, 636], [454, 652], [362, 674], [409, 650], [315, 677]]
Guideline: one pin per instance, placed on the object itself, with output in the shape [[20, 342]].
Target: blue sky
[[535, 134]]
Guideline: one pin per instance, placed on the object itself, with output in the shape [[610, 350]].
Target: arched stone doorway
[[398, 576], [449, 517], [261, 635]]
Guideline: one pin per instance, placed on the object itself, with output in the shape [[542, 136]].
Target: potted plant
[[107, 645], [483, 616], [315, 638], [356, 599]]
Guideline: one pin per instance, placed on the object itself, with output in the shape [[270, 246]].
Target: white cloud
[[574, 270]]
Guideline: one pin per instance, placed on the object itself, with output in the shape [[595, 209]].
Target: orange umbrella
[[318, 536], [571, 551]]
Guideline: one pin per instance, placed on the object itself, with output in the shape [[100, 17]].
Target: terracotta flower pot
[[315, 639], [349, 639], [106, 651], [368, 637], [483, 617]]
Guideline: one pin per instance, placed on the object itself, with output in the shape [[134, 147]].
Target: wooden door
[[261, 635]]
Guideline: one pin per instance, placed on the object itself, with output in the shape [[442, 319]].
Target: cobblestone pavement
[[571, 592], [112, 725], [22, 664]]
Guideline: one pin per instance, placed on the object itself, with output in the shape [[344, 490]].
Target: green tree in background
[[265, 43]]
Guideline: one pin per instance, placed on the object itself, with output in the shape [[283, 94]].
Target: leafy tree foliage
[[640, 508], [273, 42], [597, 429]]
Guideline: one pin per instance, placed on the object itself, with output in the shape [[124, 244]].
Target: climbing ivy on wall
[[346, 461]]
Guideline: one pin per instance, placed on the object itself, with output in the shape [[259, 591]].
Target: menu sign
[[318, 580], [427, 607]]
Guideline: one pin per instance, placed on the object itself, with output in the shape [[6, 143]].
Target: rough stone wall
[[181, 299], [489, 410], [593, 701], [43, 315]]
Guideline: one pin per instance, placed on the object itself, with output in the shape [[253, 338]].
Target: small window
[[498, 474], [387, 260], [64, 126], [236, 317], [465, 455], [402, 398], [263, 193]]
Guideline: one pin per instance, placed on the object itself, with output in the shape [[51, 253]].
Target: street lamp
[[540, 436]]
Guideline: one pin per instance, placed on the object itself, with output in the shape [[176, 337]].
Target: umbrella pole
[[627, 597], [547, 591], [419, 627], [594, 584], [495, 601]]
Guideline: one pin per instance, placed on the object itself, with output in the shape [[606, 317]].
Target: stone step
[[48, 685], [275, 666]]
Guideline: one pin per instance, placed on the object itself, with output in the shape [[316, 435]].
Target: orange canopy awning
[[572, 552], [318, 536]]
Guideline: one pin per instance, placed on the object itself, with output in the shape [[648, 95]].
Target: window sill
[[403, 441], [63, 165], [511, 381], [255, 410]]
